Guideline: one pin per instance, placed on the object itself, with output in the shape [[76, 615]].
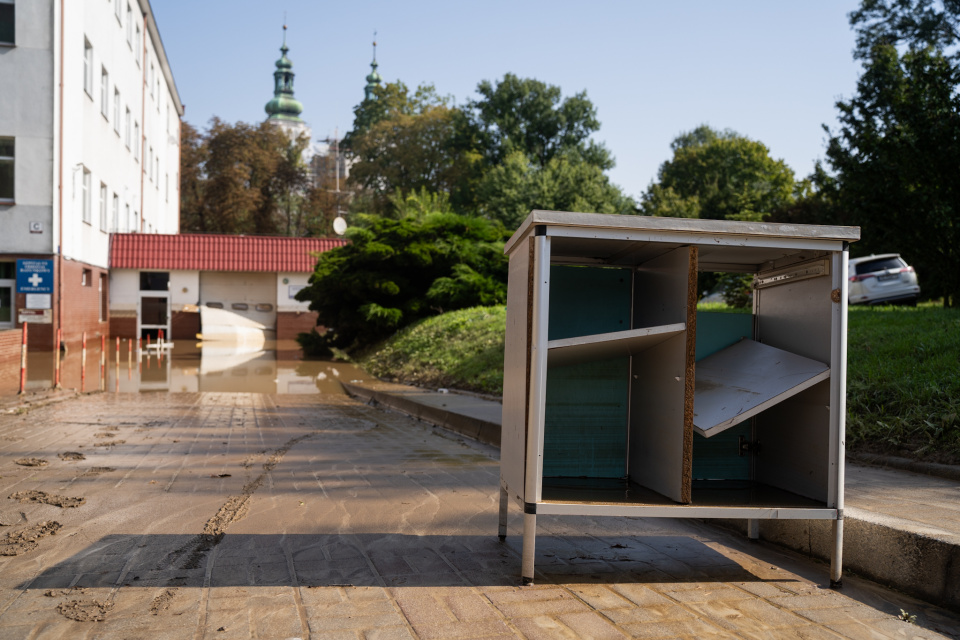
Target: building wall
[[26, 114], [290, 323], [10, 342]]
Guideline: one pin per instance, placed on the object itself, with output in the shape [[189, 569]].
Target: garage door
[[238, 303]]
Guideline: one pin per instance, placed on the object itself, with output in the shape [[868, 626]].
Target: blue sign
[[34, 276]]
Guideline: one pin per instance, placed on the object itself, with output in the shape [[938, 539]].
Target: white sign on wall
[[294, 289], [38, 300]]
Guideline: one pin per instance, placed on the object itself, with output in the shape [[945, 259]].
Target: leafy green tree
[[896, 157], [918, 24], [510, 190], [530, 116], [719, 175], [394, 272]]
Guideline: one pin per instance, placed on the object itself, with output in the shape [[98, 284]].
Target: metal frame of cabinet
[[669, 422]]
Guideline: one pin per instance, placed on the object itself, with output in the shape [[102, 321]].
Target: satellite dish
[[339, 225]]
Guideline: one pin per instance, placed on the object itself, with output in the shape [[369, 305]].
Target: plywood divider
[[689, 378]]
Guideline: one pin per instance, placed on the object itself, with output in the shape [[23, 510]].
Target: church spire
[[284, 106], [373, 79]]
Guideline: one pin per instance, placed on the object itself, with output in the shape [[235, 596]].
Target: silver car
[[882, 279]]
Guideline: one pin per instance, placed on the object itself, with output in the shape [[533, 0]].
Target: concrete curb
[[923, 562], [480, 430], [948, 471]]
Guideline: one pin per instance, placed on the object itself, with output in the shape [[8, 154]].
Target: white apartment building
[[89, 146]]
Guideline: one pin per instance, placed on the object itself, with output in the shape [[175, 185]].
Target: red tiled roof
[[203, 252]]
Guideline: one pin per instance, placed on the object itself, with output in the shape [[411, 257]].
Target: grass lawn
[[903, 374]]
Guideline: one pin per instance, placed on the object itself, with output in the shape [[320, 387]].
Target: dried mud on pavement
[[258, 516]]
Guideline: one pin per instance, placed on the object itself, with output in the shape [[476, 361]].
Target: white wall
[[284, 301], [124, 290]]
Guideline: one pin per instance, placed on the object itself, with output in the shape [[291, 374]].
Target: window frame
[[13, 24], [116, 110], [136, 141], [116, 212], [85, 187], [126, 127], [138, 45], [103, 207], [12, 161], [129, 25], [105, 93], [88, 67]]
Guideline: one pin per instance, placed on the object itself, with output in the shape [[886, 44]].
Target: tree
[[918, 24], [510, 190], [530, 116], [720, 175], [247, 179], [896, 157], [396, 271]]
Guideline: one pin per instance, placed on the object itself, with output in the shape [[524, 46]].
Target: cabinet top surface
[[588, 225]]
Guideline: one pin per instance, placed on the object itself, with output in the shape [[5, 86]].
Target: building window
[[126, 127], [88, 67], [133, 222], [116, 11], [153, 74], [116, 212], [158, 95], [6, 169], [132, 227], [154, 281], [150, 163], [7, 22], [8, 283], [86, 195], [103, 207], [86, 278], [136, 45], [156, 172], [116, 110], [136, 141], [129, 25], [103, 296], [104, 92]]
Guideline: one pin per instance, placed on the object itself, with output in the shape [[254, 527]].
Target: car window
[[880, 264]]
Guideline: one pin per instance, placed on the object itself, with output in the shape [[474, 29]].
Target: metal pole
[[83, 362], [56, 370], [504, 505], [23, 361], [103, 362]]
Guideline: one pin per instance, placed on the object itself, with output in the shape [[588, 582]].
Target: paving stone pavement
[[258, 516]]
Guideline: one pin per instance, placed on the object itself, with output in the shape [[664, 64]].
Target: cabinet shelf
[[744, 379], [604, 346]]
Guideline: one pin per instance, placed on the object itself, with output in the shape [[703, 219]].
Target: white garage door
[[244, 301]]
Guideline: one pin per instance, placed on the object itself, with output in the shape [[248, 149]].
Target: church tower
[[373, 79], [284, 110]]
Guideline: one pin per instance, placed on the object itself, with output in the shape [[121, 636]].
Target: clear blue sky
[[769, 70]]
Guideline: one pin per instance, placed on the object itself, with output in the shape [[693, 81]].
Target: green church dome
[[284, 106]]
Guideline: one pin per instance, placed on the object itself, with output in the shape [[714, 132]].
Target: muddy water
[[188, 366]]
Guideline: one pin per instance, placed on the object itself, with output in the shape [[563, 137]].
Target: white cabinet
[[621, 399]]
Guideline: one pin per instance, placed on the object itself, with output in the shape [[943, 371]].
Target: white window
[[156, 172], [116, 212], [86, 195], [88, 67], [158, 95], [153, 74], [8, 22], [126, 127], [6, 169], [132, 226], [104, 92], [136, 44], [129, 25], [150, 163], [116, 11], [136, 141], [103, 207], [116, 110]]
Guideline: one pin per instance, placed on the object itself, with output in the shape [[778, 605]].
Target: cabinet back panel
[[585, 426], [586, 301]]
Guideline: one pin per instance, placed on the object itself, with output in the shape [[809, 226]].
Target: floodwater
[[184, 366]]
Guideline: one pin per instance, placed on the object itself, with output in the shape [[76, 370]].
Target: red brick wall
[[290, 323], [184, 325], [123, 327], [10, 341]]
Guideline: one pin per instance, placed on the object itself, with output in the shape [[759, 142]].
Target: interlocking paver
[[367, 525]]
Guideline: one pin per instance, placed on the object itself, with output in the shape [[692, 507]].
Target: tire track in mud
[[235, 508]]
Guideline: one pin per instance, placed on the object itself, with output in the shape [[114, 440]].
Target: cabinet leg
[[529, 547], [836, 559], [753, 529], [504, 503]]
